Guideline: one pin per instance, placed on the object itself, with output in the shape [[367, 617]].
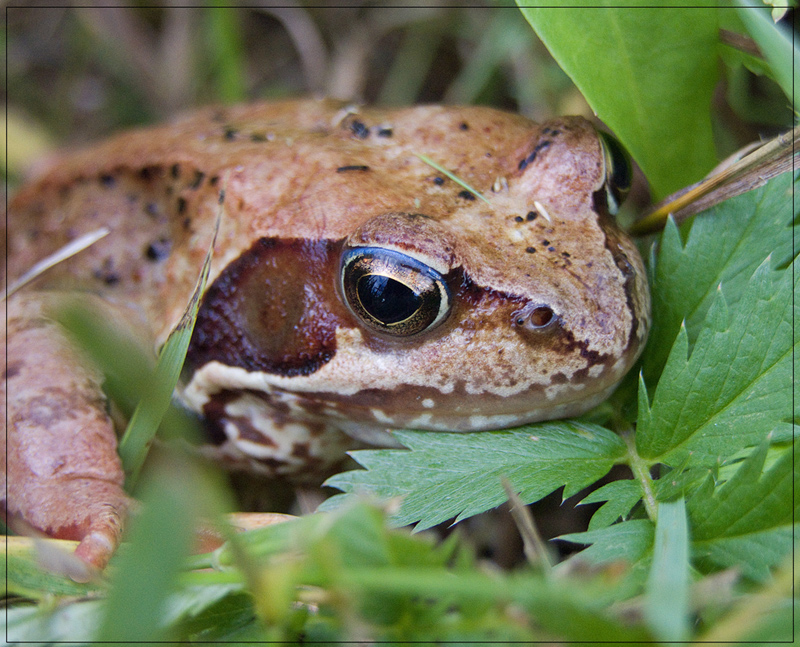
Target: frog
[[438, 268]]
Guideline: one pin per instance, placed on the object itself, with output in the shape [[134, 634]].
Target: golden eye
[[393, 293], [619, 171]]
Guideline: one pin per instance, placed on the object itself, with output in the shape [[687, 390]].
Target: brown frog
[[355, 288]]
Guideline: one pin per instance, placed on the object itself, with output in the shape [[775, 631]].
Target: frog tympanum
[[355, 288]]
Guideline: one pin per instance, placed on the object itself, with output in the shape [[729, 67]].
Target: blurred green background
[[75, 74]]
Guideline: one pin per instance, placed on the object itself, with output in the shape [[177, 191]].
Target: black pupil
[[387, 300]]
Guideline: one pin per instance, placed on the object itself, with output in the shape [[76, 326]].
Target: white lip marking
[[595, 370], [380, 416], [428, 403]]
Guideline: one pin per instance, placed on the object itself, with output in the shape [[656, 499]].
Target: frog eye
[[393, 293], [619, 171]]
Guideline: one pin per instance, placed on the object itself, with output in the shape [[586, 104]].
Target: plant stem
[[641, 471]]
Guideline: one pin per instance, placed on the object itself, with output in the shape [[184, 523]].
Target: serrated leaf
[[629, 540], [448, 475], [736, 385], [619, 497], [750, 502], [754, 555], [724, 246], [656, 99]]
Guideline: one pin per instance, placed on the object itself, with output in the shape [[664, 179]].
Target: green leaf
[[734, 388], [749, 502], [753, 555], [620, 497], [724, 246], [667, 592], [629, 540], [746, 521], [174, 495], [776, 45], [648, 72], [448, 475]]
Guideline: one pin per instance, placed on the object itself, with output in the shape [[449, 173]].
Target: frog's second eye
[[619, 171], [393, 293]]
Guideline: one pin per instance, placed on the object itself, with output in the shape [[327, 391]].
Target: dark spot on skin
[[175, 171], [107, 181], [158, 250], [463, 126], [52, 406], [199, 176], [565, 254], [551, 249], [12, 370], [107, 274], [132, 198], [301, 450], [530, 250], [359, 129], [214, 179], [546, 131], [221, 198], [230, 134], [384, 132], [555, 132], [181, 205], [532, 156], [438, 181], [151, 209], [531, 215], [148, 173], [467, 195], [519, 219], [258, 137], [352, 167], [186, 223], [545, 242]]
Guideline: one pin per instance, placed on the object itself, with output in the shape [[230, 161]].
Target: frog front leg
[[61, 472]]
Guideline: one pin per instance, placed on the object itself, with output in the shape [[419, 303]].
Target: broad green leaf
[[60, 624], [667, 591], [448, 475], [736, 386], [749, 502], [724, 246], [648, 72], [174, 496]]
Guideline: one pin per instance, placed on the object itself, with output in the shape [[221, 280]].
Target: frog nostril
[[535, 317], [540, 317]]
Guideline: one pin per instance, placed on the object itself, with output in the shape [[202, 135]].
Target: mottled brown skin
[[287, 372]]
